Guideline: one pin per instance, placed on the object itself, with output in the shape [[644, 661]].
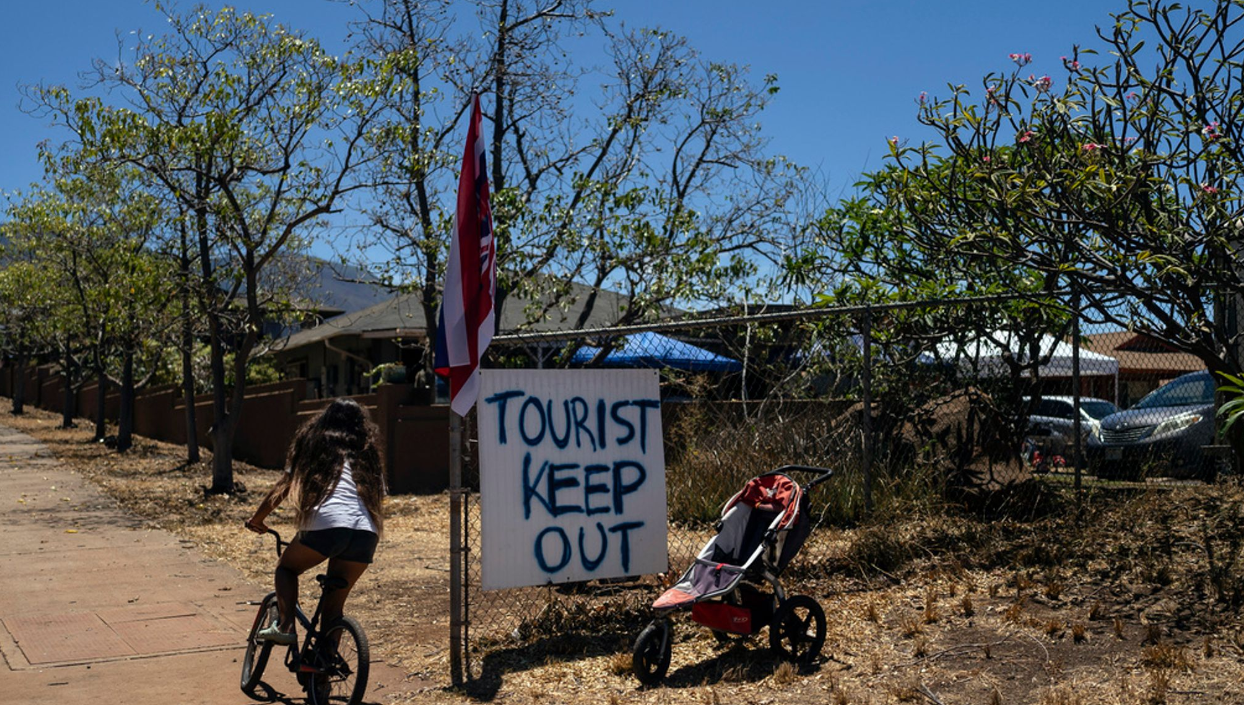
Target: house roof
[[1137, 352], [402, 317]]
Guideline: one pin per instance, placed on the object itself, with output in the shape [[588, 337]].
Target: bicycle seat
[[331, 582]]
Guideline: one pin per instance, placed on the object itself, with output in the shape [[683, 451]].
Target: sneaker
[[274, 634]]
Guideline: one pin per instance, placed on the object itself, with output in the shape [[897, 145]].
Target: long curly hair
[[341, 433]]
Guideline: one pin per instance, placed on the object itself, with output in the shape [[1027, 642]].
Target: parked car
[[1051, 426], [1163, 433]]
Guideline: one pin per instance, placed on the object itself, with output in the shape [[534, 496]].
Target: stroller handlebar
[[823, 474]]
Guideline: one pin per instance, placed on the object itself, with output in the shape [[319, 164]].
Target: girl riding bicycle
[[334, 473]]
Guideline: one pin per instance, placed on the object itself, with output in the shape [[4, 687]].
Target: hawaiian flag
[[466, 318]]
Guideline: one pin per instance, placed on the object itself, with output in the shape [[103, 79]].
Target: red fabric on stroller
[[770, 493]]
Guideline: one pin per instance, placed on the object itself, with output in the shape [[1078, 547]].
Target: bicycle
[[331, 665]]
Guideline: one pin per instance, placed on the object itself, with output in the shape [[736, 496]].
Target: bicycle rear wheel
[[342, 662], [257, 650]]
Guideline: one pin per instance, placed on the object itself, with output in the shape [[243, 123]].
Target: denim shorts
[[354, 545]]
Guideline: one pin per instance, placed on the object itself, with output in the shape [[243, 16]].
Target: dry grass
[[986, 649], [1015, 612], [1079, 633], [906, 692], [930, 613], [621, 663], [1054, 628], [1096, 612], [871, 613], [909, 627], [1164, 655], [1061, 695], [785, 674], [1054, 589], [1159, 687]]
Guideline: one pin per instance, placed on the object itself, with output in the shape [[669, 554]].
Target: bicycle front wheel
[[342, 664], [257, 650]]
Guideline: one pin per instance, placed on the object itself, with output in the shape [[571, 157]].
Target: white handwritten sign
[[572, 476]]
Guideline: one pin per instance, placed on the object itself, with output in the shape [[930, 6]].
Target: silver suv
[[1051, 426], [1164, 432]]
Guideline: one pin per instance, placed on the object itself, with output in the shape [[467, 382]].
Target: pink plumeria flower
[[1026, 136], [1072, 65], [1021, 59], [1043, 84], [894, 140], [1210, 131], [1131, 95], [924, 96], [1090, 147], [1211, 190], [985, 158]]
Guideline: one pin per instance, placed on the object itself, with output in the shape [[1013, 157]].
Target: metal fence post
[[866, 333], [1078, 454], [470, 460], [455, 548]]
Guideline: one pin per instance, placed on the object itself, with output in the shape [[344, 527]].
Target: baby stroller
[[760, 531]]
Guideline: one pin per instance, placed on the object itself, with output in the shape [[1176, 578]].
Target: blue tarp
[[656, 350]]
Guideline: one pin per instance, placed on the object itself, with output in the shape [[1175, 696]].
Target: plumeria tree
[[1113, 183], [1119, 181]]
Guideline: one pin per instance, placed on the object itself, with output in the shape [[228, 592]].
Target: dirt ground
[[1137, 604]]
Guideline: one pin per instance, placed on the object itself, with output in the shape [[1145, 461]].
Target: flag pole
[[465, 327], [455, 547]]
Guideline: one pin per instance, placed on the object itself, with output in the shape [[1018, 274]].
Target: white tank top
[[341, 509]]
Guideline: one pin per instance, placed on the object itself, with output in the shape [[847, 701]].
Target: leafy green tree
[[663, 191], [256, 134], [1115, 182], [25, 301], [1121, 184], [92, 231]]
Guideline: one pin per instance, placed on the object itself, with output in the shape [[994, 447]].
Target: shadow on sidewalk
[[265, 693]]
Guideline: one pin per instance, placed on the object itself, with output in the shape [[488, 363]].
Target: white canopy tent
[[985, 356]]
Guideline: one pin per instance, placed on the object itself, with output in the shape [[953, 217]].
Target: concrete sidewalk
[[96, 608]]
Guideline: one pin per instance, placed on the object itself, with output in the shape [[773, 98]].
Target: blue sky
[[850, 71]]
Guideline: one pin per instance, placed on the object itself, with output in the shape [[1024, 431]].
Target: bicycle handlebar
[[823, 474], [279, 543]]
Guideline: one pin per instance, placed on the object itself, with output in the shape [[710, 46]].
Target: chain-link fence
[[982, 405]]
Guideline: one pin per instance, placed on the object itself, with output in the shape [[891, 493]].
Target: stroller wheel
[[797, 632], [650, 658]]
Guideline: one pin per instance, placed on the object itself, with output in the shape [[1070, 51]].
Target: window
[[1054, 408], [1191, 390]]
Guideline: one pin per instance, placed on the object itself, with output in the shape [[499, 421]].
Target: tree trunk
[[68, 406], [222, 455], [222, 425], [101, 405], [125, 424], [192, 422], [19, 386], [187, 363]]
